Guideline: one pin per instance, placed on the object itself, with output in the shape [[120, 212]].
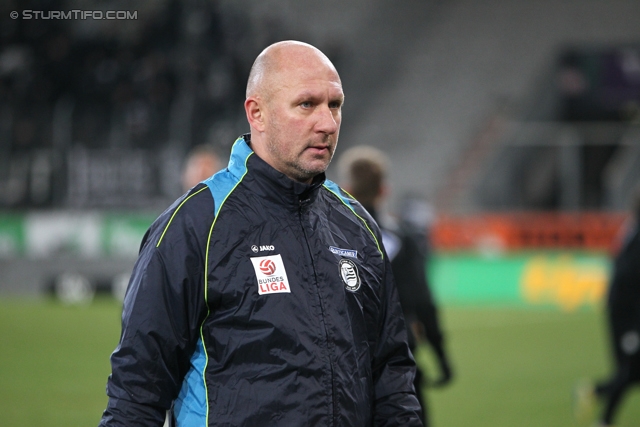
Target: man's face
[[303, 115]]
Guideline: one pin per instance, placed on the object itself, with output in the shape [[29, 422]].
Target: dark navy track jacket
[[260, 301]]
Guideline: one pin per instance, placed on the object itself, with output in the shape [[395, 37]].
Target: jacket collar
[[266, 181]]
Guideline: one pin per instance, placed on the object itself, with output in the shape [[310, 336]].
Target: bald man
[[263, 296]]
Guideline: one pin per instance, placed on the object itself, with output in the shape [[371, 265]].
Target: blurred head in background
[[201, 162], [363, 173]]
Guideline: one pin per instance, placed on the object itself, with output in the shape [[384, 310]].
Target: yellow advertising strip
[[566, 280]]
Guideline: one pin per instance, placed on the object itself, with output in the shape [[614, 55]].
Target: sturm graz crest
[[349, 274]]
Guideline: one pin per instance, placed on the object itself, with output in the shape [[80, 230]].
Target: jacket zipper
[[302, 206]]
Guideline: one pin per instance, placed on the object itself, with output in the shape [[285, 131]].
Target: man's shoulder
[[341, 199], [190, 212], [341, 196], [195, 202]]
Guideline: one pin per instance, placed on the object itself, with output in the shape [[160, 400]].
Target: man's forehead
[[312, 88]]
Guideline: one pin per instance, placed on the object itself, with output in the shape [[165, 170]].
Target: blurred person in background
[[262, 297], [623, 316], [201, 162], [363, 174]]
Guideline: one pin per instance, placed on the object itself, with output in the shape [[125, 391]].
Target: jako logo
[[267, 266], [262, 248]]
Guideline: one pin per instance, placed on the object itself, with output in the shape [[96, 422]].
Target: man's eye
[[306, 104], [335, 104]]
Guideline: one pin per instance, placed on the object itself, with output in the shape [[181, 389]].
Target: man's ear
[[255, 113]]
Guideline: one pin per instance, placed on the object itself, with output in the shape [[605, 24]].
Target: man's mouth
[[320, 148]]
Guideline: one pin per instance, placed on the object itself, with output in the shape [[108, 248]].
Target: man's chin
[[307, 172], [317, 167]]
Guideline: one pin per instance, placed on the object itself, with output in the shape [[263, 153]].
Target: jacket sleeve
[[163, 309], [394, 368]]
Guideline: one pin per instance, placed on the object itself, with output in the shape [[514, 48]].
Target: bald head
[[268, 66], [294, 108]]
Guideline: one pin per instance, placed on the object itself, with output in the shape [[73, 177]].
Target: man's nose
[[328, 120]]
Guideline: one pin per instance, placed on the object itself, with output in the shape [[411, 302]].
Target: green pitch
[[514, 367], [54, 361], [518, 367]]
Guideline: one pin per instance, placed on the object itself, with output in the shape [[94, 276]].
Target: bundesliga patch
[[344, 252], [349, 274], [271, 275]]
